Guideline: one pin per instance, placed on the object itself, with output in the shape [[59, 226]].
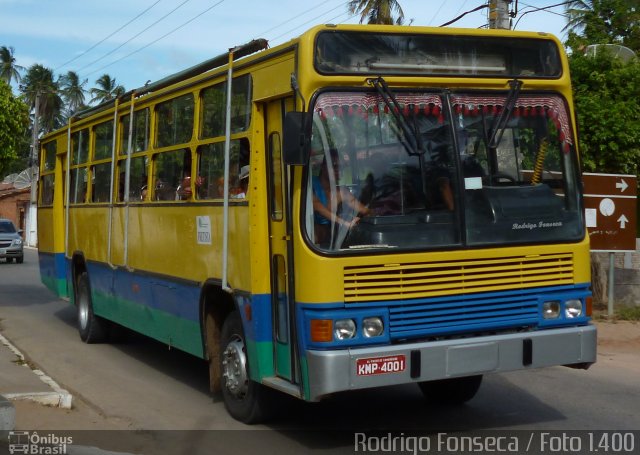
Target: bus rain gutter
[[127, 185], [67, 196], [113, 160], [227, 153]]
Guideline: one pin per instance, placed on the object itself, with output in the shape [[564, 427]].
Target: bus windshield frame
[[447, 186]]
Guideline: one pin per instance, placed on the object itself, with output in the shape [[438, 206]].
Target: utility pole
[[32, 223], [499, 14]]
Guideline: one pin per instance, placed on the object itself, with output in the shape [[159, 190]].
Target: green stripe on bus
[[160, 325]]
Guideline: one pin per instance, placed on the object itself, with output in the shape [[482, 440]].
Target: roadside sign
[[610, 202]]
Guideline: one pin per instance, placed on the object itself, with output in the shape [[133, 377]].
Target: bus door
[[280, 243]]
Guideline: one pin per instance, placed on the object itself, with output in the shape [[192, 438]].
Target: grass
[[622, 313], [628, 313]]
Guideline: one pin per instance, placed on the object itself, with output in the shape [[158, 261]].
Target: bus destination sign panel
[[610, 202]]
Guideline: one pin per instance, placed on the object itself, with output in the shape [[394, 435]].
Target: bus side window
[[168, 173], [211, 167]]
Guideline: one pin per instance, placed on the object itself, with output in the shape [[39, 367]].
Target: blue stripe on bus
[[449, 315], [52, 272], [178, 299], [52, 265]]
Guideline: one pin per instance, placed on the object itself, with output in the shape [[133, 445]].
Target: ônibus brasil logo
[[32, 443]]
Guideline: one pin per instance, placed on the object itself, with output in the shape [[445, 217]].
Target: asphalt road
[[139, 384]]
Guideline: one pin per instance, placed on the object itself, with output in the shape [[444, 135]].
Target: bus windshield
[[431, 171]]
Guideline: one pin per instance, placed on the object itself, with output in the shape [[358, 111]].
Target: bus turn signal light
[[322, 330], [589, 305]]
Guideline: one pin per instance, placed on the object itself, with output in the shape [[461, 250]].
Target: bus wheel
[[244, 399], [92, 328], [451, 391]]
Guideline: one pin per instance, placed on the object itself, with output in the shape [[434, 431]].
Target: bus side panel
[[88, 232], [163, 309], [258, 329], [117, 236], [52, 272], [51, 261], [164, 240]]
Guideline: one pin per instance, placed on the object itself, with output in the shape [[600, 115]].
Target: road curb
[[56, 397], [7, 416]]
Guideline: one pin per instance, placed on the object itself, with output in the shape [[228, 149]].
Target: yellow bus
[[362, 206]]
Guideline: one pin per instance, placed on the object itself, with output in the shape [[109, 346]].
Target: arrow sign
[[623, 221], [622, 185]]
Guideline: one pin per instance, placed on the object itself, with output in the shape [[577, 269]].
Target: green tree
[[106, 89], [377, 11], [14, 121], [607, 99], [603, 22], [73, 91], [39, 84], [9, 69]]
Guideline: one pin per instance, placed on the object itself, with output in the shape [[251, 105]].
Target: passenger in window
[[243, 183], [162, 190], [184, 191], [328, 197]]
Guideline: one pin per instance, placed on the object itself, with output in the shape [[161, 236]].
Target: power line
[[292, 19], [106, 37], [437, 12], [477, 8], [133, 37], [539, 9], [160, 38], [307, 22]]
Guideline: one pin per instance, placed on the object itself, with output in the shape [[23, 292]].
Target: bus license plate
[[381, 365]]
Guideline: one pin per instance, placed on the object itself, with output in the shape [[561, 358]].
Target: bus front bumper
[[352, 369]]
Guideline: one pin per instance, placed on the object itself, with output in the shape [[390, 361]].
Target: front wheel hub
[[234, 368]]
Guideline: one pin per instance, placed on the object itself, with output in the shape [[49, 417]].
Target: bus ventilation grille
[[374, 283]]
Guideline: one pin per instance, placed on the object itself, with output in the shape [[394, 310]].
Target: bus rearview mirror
[[294, 139]]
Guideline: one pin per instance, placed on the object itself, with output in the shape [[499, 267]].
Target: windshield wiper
[[500, 123], [410, 139]]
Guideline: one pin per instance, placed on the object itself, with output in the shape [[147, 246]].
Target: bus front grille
[[444, 298], [463, 314], [374, 283]]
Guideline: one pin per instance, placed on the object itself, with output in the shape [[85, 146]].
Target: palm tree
[[73, 91], [604, 22], [39, 84], [107, 89], [377, 11], [8, 67]]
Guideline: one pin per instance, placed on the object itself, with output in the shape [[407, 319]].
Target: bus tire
[[92, 328], [451, 391], [244, 399]]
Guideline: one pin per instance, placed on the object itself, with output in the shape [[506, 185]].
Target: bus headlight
[[372, 327], [344, 329], [551, 309], [573, 308]]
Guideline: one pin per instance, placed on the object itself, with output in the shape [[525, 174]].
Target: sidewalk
[[18, 381]]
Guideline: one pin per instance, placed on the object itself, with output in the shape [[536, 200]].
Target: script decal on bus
[[381, 365]]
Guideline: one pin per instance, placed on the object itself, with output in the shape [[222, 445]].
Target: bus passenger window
[[101, 182], [169, 170], [211, 168], [78, 187]]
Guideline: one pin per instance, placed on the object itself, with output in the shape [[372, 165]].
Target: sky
[[135, 41]]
